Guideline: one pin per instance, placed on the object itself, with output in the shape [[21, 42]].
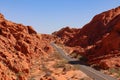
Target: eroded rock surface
[[19, 44], [99, 39]]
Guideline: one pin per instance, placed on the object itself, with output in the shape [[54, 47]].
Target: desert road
[[94, 74]]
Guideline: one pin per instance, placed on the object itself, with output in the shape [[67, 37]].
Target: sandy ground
[[53, 67]]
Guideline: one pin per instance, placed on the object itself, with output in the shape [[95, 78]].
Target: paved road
[[96, 75]]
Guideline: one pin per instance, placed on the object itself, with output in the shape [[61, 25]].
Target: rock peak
[[1, 16]]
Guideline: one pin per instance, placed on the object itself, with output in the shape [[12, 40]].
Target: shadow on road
[[83, 63], [77, 62]]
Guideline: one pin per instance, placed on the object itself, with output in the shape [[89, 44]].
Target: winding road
[[96, 75]]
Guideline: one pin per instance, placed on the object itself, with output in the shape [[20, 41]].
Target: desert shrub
[[112, 70], [60, 64]]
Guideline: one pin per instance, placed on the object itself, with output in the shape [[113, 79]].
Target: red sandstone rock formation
[[18, 45], [100, 38], [94, 30], [107, 52], [66, 34]]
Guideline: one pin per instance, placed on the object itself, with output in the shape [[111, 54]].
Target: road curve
[[97, 75]]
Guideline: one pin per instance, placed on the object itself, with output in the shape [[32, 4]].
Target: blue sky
[[47, 16]]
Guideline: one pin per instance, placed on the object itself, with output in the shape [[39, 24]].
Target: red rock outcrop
[[107, 52], [18, 45], [94, 30], [66, 34], [100, 39]]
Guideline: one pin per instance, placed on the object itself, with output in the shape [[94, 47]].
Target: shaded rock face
[[108, 50], [94, 30], [100, 39], [18, 45]]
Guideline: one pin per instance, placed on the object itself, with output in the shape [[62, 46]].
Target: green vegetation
[[115, 71], [74, 55], [78, 56], [32, 78], [112, 70], [19, 74], [82, 58]]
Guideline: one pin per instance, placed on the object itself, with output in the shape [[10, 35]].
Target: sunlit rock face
[[18, 45], [100, 39]]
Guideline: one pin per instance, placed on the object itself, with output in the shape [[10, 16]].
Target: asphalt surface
[[91, 72]]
